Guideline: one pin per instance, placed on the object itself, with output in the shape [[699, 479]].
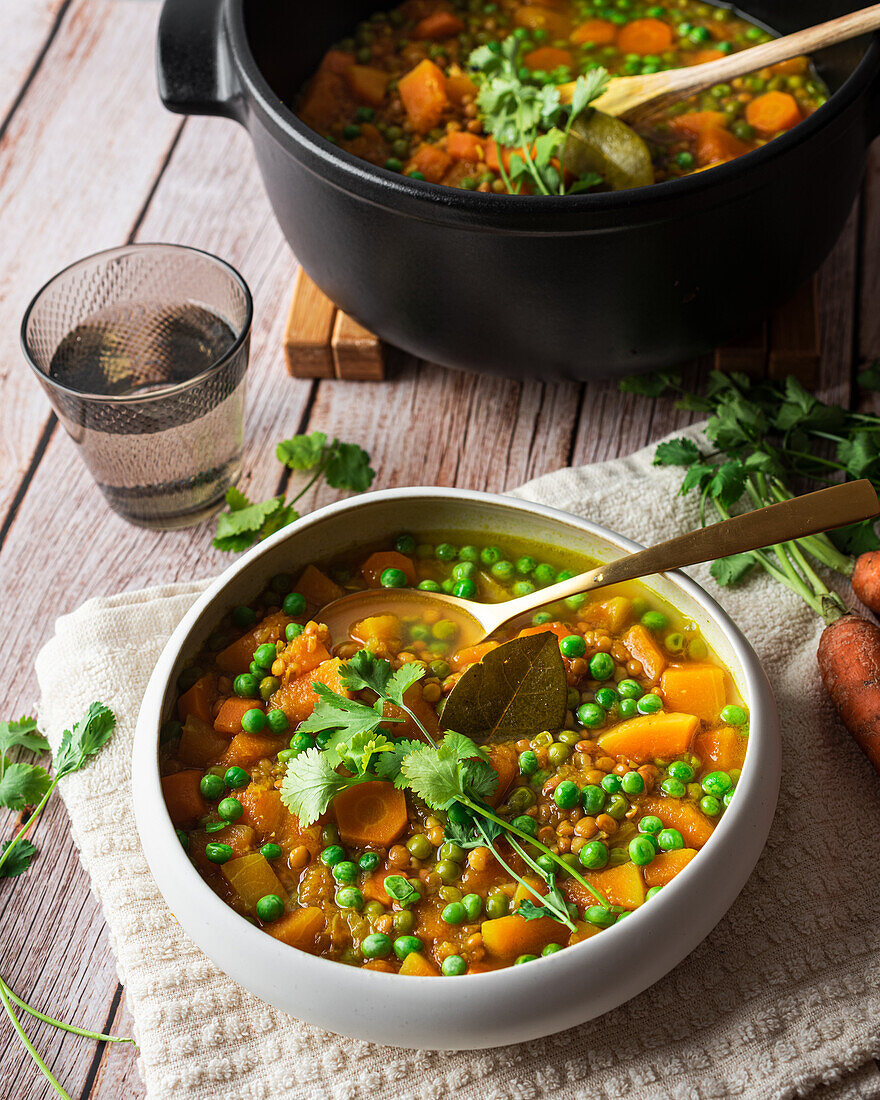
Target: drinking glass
[[143, 352]]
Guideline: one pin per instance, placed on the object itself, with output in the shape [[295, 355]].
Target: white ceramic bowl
[[480, 1010]]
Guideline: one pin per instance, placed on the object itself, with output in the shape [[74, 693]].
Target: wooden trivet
[[321, 341]]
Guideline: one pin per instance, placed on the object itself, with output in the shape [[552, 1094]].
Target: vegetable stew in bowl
[[464, 93], [319, 790]]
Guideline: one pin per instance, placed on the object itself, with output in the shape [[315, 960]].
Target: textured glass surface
[[143, 352]]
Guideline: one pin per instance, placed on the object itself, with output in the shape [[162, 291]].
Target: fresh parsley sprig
[[342, 465], [530, 117], [453, 776], [24, 785]]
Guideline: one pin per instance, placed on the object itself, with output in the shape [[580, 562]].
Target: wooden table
[[89, 159]]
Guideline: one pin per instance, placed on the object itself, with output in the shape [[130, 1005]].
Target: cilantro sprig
[[23, 785], [342, 465], [764, 436], [530, 117], [451, 776]]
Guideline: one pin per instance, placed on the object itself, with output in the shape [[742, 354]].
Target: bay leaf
[[517, 690]]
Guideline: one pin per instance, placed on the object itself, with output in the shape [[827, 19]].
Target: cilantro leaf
[[728, 483], [18, 860], [433, 776], [301, 452], [860, 452], [365, 670], [238, 529], [401, 890], [23, 734], [335, 712], [530, 910], [23, 785], [88, 735], [869, 378], [348, 467], [357, 754], [585, 183], [654, 384], [677, 452], [310, 784], [388, 765], [236, 499], [733, 569], [697, 477], [478, 778], [856, 538]]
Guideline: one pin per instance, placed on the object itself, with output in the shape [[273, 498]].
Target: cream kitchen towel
[[782, 999]]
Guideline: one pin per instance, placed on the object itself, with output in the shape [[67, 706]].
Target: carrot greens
[[23, 785]]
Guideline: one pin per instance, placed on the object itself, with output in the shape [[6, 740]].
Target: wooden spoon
[[633, 97], [792, 519]]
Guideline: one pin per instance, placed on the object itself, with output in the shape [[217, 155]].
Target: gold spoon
[[634, 96], [792, 519]]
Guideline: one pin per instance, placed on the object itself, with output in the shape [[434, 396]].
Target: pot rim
[[203, 914], [356, 174]]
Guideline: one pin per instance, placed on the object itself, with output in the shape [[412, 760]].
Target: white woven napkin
[[782, 999]]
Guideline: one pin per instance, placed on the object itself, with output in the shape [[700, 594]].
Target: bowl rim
[[175, 875], [359, 173]]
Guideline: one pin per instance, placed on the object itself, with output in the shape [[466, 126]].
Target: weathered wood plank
[[26, 30], [868, 350], [76, 164], [838, 292]]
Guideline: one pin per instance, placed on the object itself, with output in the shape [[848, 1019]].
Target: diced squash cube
[[263, 809], [692, 823], [622, 885], [559, 629], [424, 711], [297, 698], [601, 32], [583, 930], [693, 123], [613, 614], [199, 744], [721, 749], [183, 799], [198, 700], [385, 629], [457, 87], [245, 749], [505, 761], [252, 877], [239, 837], [303, 654], [440, 24], [299, 928], [230, 714], [317, 587], [415, 964], [462, 145], [715, 146], [367, 83], [432, 161], [665, 866], [535, 17], [423, 94], [377, 563], [236, 658], [696, 689], [651, 736], [507, 937], [643, 648]]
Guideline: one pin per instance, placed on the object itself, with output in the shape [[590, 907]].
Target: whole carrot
[[866, 579], [849, 663]]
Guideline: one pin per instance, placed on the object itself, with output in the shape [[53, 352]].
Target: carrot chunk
[[693, 123], [183, 799], [371, 813], [641, 645], [716, 146], [664, 735], [367, 84], [423, 94], [198, 700], [665, 866], [696, 689], [441, 24], [229, 716], [773, 111], [559, 629], [600, 32], [548, 58], [645, 36]]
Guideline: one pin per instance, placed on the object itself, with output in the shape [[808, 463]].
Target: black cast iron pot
[[580, 287]]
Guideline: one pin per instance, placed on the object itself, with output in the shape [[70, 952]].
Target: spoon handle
[[792, 519]]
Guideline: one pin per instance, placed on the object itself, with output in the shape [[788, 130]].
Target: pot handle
[[194, 66]]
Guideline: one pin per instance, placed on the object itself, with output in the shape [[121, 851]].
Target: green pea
[[670, 840], [419, 846], [286, 755], [246, 686], [268, 686], [230, 809], [497, 905], [393, 578], [710, 805], [523, 588], [465, 589], [733, 715], [558, 754], [673, 787], [528, 762], [349, 897], [490, 555], [406, 945], [446, 552], [551, 949], [404, 921], [452, 966], [526, 565], [369, 861], [271, 851], [697, 649], [655, 620], [404, 544], [463, 570], [683, 159], [653, 892], [544, 574], [649, 704], [294, 604], [448, 870], [292, 630], [650, 824], [345, 872], [628, 708], [451, 850], [211, 786], [243, 617], [632, 783], [606, 698], [454, 913], [591, 716], [717, 784], [526, 824], [473, 906], [573, 646], [674, 642], [593, 855], [601, 666], [444, 630], [277, 721], [617, 807], [429, 586], [727, 797], [332, 855], [547, 864], [593, 799], [600, 916], [567, 795], [524, 959], [393, 164], [630, 689], [376, 946], [641, 851], [235, 778], [678, 769], [300, 742], [270, 907], [265, 655], [541, 617], [618, 856], [502, 570], [612, 784], [253, 721], [183, 838], [218, 853]]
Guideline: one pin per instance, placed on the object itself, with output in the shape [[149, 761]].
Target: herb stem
[[30, 821], [309, 483], [546, 902], [96, 1035], [47, 1073]]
